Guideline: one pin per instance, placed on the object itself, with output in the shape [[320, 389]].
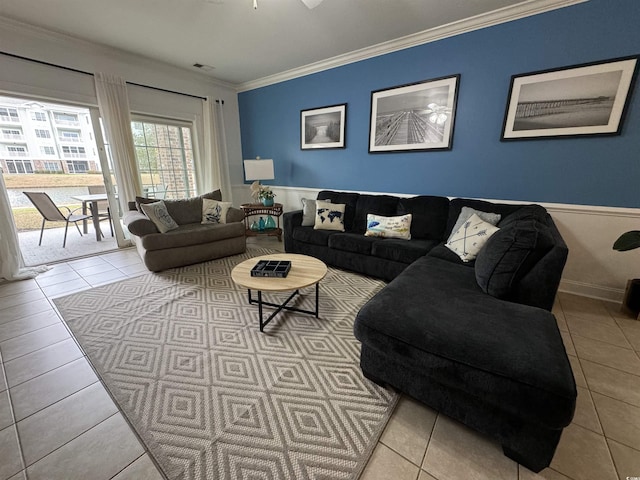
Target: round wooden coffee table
[[305, 271]]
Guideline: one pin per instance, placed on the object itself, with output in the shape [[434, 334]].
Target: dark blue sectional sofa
[[477, 340]]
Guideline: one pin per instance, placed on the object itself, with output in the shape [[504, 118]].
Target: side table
[[257, 209]]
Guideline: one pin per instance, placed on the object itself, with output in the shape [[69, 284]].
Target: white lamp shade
[[258, 169]]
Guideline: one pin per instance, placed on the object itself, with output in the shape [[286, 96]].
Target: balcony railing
[[9, 119], [74, 123], [12, 136], [70, 139]]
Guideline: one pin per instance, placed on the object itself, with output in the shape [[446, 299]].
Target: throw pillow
[[509, 255], [157, 213], [329, 216], [214, 211], [390, 227], [309, 212], [469, 239], [466, 212]]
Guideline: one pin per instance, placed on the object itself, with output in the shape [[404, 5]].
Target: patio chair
[[104, 212], [51, 213]]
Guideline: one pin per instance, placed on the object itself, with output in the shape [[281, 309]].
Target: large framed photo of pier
[[323, 127], [587, 99], [415, 117]]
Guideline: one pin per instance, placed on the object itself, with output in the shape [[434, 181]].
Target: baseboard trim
[[592, 291]]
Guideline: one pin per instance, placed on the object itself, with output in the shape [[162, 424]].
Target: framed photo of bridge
[[587, 99], [414, 117], [323, 127]]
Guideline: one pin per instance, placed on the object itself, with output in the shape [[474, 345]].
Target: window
[[9, 115], [66, 118], [69, 136], [52, 166], [165, 158], [17, 151], [39, 116], [74, 152], [11, 134], [47, 150], [76, 166], [43, 133], [19, 166]]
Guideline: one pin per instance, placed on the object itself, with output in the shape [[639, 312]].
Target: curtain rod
[[41, 62]]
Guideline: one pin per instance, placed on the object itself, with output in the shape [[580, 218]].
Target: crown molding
[[496, 17], [63, 39]]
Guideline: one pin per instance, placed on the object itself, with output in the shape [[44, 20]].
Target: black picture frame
[[589, 99], [323, 127], [415, 117]]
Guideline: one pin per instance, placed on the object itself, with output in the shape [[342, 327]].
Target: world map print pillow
[[214, 211], [329, 216], [389, 227]]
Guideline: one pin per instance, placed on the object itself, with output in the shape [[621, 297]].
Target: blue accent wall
[[587, 170]]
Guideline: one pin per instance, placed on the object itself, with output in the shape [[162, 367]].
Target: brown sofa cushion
[[184, 211], [192, 234]]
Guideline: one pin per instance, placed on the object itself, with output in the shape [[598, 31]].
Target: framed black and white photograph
[[587, 99], [415, 117], [323, 127]]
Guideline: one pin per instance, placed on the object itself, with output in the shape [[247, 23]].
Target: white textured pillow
[[309, 212], [465, 214], [389, 227], [214, 211], [157, 213], [329, 216], [469, 239]]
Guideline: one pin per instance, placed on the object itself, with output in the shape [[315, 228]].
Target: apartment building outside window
[[39, 116], [69, 136], [75, 166], [43, 133], [9, 115], [52, 166], [66, 118], [11, 134], [74, 152], [19, 166], [164, 152], [17, 151], [47, 150]]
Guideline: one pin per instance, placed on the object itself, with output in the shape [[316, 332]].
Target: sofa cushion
[[442, 252], [456, 204], [312, 236], [527, 212], [158, 214], [429, 215], [384, 205], [329, 216], [351, 242], [403, 251], [457, 335], [389, 227], [184, 211], [509, 254], [349, 200], [469, 239], [192, 234]]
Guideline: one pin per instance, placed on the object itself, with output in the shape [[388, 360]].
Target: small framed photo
[[415, 117], [587, 99], [323, 127]]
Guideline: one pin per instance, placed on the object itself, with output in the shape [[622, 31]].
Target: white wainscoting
[[593, 268]]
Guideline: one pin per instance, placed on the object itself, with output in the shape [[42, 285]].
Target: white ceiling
[[242, 44]]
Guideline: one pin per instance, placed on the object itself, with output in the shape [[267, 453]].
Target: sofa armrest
[[235, 215], [138, 224]]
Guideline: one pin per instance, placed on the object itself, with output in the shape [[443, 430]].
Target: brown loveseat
[[192, 242]]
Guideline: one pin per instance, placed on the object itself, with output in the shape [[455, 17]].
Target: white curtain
[[11, 262], [212, 171], [116, 117]]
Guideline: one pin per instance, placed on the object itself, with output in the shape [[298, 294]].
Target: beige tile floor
[[58, 422]]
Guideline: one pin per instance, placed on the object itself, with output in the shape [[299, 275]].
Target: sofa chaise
[[190, 241], [473, 339]]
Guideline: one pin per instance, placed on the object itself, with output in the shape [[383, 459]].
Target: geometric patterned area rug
[[213, 398]]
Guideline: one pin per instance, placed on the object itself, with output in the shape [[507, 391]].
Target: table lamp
[[258, 169]]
